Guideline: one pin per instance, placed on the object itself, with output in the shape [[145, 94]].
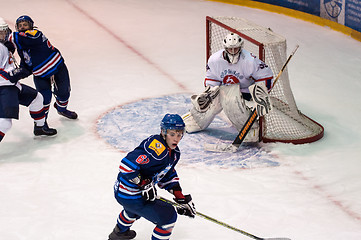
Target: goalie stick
[[248, 124], [223, 224]]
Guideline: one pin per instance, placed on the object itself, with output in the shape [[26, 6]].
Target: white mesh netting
[[285, 123]]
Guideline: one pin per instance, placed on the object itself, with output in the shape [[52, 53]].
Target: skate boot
[[66, 113], [44, 130], [117, 235]]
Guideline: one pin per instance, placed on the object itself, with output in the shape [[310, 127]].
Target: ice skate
[[44, 130], [117, 235], [66, 113]]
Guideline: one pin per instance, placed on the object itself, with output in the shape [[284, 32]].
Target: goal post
[[285, 123]]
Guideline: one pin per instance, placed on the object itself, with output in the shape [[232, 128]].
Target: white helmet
[[233, 45], [4, 30], [3, 24]]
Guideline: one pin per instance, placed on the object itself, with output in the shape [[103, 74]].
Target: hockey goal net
[[285, 123]]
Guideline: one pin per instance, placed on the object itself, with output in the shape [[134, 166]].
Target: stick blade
[[276, 239], [220, 147]]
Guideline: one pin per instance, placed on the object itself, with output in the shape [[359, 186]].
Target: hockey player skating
[[236, 82], [152, 163], [13, 93], [45, 62]]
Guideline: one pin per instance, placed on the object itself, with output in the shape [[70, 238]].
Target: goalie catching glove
[[203, 101]]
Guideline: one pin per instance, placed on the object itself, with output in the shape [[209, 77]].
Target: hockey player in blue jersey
[[45, 62], [152, 163], [13, 93]]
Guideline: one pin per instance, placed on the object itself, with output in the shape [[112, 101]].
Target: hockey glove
[[17, 74], [10, 46], [149, 192], [186, 206], [261, 99]]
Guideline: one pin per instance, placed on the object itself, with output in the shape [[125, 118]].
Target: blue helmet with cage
[[172, 121], [24, 18]]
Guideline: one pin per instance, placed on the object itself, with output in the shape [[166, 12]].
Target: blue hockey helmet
[[172, 121], [24, 18]]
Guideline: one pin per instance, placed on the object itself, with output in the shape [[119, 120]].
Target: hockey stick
[[248, 124], [223, 224], [14, 60]]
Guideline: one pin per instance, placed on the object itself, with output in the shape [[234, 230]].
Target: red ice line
[[331, 198], [128, 46]]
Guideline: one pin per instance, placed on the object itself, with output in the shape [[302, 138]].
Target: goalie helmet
[[4, 30], [172, 121], [24, 18], [233, 45]]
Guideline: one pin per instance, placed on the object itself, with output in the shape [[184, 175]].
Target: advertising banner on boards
[[345, 12]]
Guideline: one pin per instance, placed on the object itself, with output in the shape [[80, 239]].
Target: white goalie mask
[[233, 45]]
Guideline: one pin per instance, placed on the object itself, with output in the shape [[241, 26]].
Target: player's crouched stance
[[152, 163], [12, 93], [236, 82]]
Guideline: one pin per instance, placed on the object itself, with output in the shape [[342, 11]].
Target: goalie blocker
[[229, 99]]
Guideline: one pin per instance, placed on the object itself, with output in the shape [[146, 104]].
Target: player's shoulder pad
[[248, 56], [216, 56], [156, 147]]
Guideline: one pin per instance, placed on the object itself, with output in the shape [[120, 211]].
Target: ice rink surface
[[130, 54]]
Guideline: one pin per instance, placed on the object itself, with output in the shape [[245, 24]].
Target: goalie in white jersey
[[236, 82]]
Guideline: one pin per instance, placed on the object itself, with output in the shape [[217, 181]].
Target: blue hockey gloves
[[149, 192], [186, 206]]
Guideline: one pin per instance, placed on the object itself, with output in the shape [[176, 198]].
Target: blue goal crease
[[126, 126]]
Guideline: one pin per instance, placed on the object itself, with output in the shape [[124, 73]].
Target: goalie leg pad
[[235, 108], [253, 134], [191, 125], [196, 121]]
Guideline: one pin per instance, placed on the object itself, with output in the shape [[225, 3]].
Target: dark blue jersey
[[36, 52], [153, 160]]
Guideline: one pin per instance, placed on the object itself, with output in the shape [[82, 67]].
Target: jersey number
[[142, 159], [263, 65]]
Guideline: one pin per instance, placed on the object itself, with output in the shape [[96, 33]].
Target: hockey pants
[[162, 214], [10, 99], [61, 88]]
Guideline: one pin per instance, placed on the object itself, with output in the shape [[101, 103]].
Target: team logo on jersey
[[31, 32], [157, 147], [230, 79], [142, 159]]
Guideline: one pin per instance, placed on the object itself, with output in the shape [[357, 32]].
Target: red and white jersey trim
[[128, 190], [55, 60]]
